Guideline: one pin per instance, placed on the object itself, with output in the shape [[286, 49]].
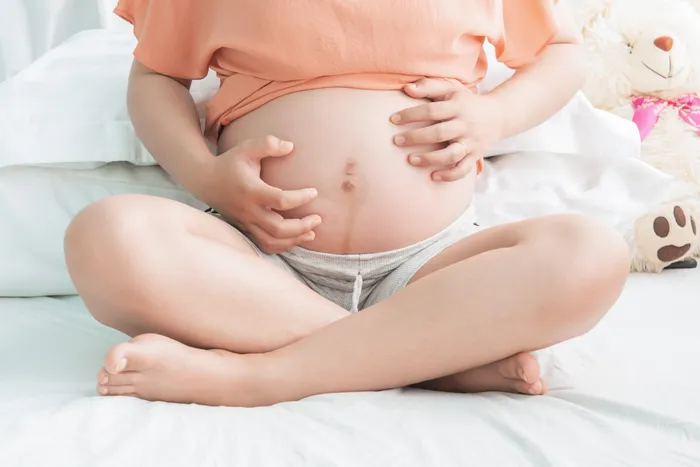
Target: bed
[[632, 401], [626, 394]]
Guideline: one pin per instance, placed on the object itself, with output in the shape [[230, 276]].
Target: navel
[[348, 186]]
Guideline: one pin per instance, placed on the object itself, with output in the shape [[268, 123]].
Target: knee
[[105, 229], [588, 263], [106, 248]]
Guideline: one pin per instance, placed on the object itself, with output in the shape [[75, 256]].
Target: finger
[[282, 200], [430, 112], [432, 88], [267, 146], [272, 245], [279, 227], [446, 157], [459, 171], [438, 133]]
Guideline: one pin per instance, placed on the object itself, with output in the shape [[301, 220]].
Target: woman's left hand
[[467, 122]]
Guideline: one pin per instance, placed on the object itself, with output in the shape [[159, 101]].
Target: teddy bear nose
[[664, 43]]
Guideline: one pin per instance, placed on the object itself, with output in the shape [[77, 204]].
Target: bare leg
[[120, 249], [551, 279], [150, 265], [546, 280]]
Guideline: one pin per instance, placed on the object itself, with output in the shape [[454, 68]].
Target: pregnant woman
[[343, 253]]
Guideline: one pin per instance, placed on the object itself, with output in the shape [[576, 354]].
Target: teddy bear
[[644, 65]]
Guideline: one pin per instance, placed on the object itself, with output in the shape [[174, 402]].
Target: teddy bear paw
[[667, 237]]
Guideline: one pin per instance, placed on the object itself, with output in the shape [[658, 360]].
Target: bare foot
[[158, 368], [518, 374]]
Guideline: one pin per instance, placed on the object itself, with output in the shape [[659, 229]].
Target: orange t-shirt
[[264, 49]]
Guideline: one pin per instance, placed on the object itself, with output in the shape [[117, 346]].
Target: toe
[[522, 366], [115, 390], [535, 389], [125, 378], [116, 360], [103, 377], [130, 356]]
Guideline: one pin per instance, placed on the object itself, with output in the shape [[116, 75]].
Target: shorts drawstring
[[355, 281], [356, 293]]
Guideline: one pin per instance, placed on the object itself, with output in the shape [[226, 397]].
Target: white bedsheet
[[636, 403]]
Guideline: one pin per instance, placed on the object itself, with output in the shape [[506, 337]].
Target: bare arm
[[166, 120], [539, 90]]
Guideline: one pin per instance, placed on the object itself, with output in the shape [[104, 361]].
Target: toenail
[[536, 388], [521, 374], [104, 391], [121, 365]]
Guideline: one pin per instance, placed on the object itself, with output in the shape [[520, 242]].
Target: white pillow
[[28, 29], [578, 129], [69, 107], [37, 206]]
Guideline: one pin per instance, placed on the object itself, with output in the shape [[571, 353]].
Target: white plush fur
[[620, 39]]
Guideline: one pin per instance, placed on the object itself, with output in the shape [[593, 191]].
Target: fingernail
[[316, 222], [121, 365], [104, 391], [415, 160], [437, 178], [104, 380], [399, 140], [286, 146], [396, 118], [313, 192], [309, 237]]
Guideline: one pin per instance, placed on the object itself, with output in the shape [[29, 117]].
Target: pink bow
[[648, 110]]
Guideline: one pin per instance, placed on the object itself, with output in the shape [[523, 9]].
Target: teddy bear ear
[[587, 12]]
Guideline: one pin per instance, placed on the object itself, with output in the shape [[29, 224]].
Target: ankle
[[271, 379]]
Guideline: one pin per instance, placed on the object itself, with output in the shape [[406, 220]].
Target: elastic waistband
[[300, 258]]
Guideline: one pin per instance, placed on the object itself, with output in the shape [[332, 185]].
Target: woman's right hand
[[233, 187]]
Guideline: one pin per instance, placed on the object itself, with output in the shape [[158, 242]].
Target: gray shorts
[[358, 281]]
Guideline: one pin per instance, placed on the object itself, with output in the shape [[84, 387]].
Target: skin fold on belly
[[370, 198]]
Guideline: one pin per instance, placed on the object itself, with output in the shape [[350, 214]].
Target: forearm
[[538, 91], [166, 120]]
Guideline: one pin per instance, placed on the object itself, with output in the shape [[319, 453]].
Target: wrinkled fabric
[[266, 49], [648, 110], [623, 395]]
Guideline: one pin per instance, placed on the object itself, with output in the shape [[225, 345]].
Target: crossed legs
[[184, 282]]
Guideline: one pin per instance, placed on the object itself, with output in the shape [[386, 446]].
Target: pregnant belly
[[370, 198]]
